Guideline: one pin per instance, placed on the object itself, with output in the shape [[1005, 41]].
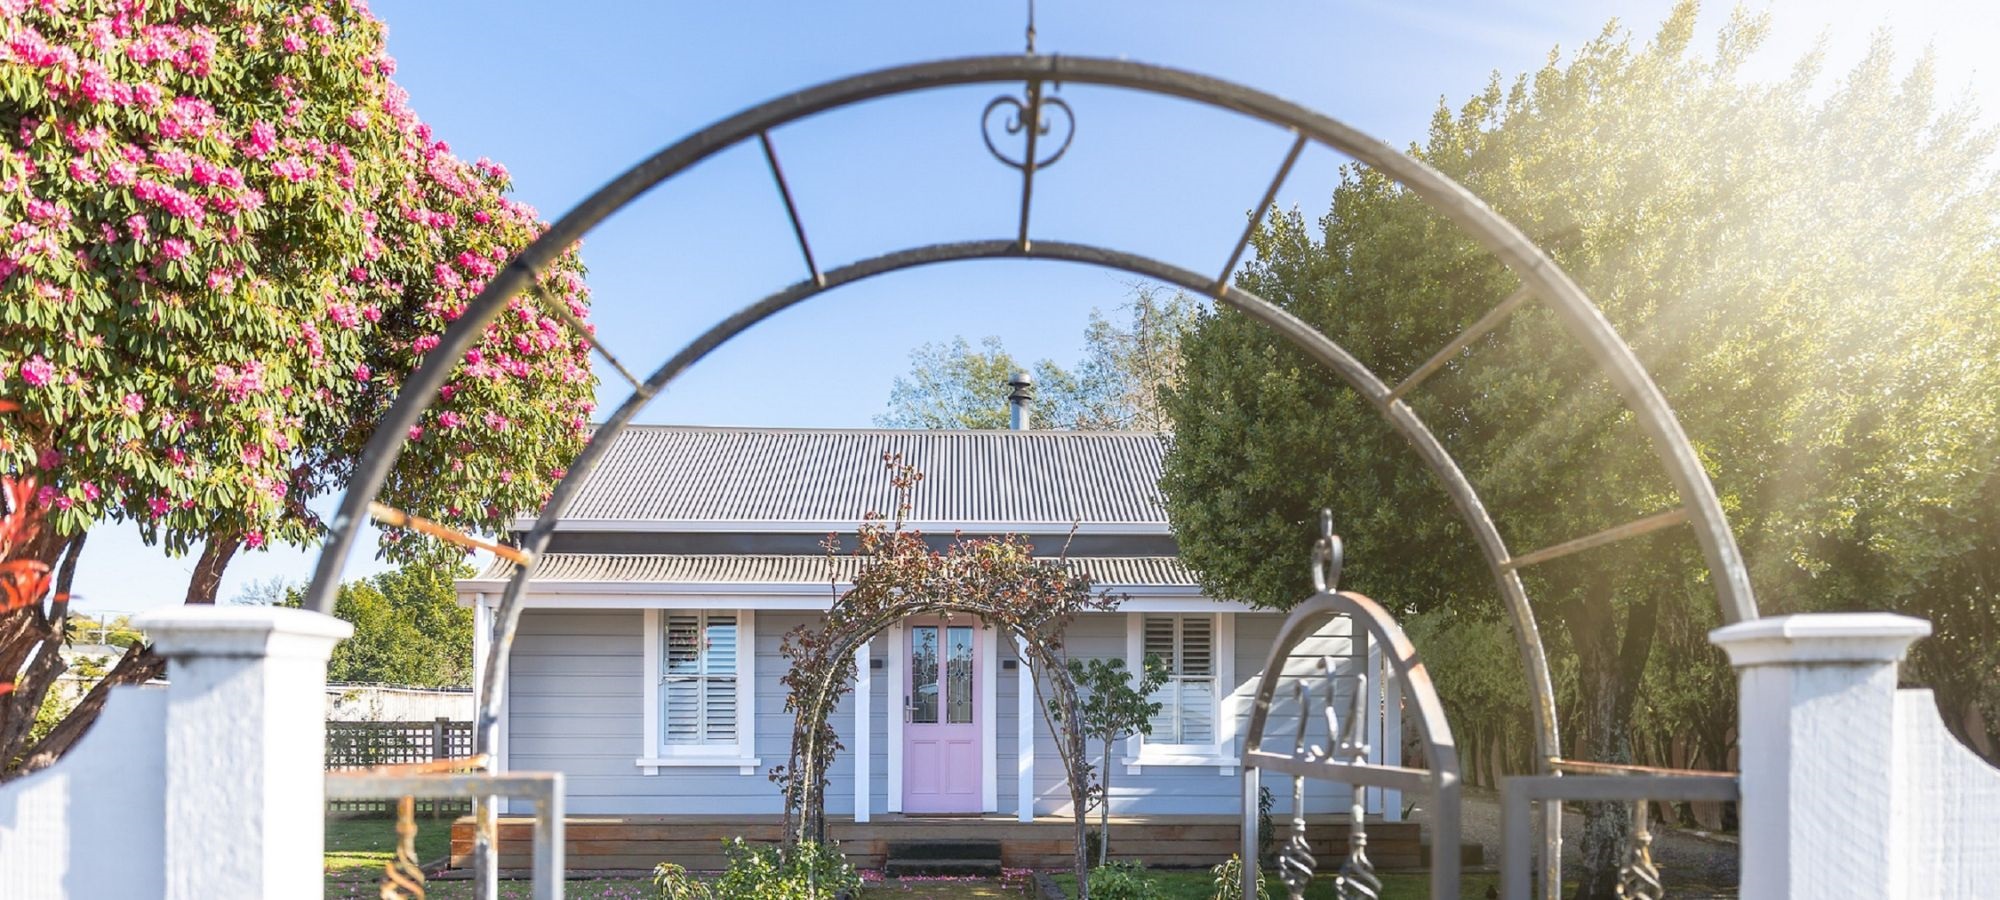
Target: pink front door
[[941, 758]]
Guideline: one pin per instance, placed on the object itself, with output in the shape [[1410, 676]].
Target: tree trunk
[[138, 666], [207, 579], [1104, 809], [31, 631], [1608, 673]]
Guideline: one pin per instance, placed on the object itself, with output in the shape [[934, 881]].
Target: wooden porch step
[[911, 851], [942, 858]]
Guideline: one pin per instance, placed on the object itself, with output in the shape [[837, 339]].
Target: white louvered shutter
[[681, 681], [719, 681], [1197, 680], [698, 684], [1159, 642], [1186, 644]]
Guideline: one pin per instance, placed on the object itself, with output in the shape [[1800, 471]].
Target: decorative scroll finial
[[1639, 878], [402, 878], [1357, 879], [1326, 555], [1295, 862], [1031, 27], [1017, 121]]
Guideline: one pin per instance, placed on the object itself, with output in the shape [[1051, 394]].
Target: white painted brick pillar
[[1816, 732], [245, 748]]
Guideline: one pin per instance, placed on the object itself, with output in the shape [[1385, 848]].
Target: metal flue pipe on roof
[[1020, 401]]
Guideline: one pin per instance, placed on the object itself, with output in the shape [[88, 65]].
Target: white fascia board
[[635, 595], [843, 526]]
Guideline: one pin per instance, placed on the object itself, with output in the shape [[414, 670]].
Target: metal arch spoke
[[791, 208], [396, 518], [1257, 214], [1628, 530], [1486, 323], [568, 316], [1032, 124]]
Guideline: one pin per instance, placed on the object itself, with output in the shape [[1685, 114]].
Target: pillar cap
[[241, 631], [1820, 638]]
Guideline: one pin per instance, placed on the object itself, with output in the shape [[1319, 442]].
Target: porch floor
[[638, 842]]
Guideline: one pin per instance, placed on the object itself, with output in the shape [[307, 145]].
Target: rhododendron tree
[[228, 240]]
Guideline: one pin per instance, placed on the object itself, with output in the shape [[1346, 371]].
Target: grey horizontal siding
[[577, 695]]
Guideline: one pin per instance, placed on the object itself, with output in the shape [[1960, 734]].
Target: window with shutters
[[699, 671], [698, 679], [1187, 645]]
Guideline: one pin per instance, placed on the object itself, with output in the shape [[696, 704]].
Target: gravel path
[[1693, 865]]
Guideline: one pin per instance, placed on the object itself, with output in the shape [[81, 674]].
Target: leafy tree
[[1117, 386], [1112, 709], [408, 626], [1808, 275], [230, 239]]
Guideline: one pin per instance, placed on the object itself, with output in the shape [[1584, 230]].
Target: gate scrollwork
[[1345, 758]]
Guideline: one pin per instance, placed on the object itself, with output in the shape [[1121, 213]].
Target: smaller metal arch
[[1441, 752], [821, 701]]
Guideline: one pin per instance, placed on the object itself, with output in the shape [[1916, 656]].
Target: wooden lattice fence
[[359, 745]]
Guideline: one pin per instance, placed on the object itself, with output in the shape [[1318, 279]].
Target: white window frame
[[742, 753], [1220, 752]]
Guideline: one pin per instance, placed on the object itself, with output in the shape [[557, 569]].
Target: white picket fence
[[212, 787]]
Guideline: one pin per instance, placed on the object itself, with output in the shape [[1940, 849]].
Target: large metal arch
[[1539, 276]]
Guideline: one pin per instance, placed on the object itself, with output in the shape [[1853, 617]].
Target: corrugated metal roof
[[685, 473], [768, 569]]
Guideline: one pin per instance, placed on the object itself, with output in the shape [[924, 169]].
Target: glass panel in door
[[924, 674], [958, 675]]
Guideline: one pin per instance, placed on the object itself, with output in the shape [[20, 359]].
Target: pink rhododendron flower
[[448, 420], [253, 540], [134, 404], [48, 459], [90, 491], [291, 169], [263, 140], [37, 371], [361, 372], [175, 248], [158, 506]]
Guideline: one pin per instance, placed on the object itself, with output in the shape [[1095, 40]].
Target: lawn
[[358, 848], [1200, 885]]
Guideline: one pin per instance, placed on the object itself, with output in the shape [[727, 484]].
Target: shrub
[[807, 871], [1229, 880], [674, 883], [1121, 881]]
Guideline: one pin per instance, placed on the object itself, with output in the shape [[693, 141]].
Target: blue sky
[[567, 95]]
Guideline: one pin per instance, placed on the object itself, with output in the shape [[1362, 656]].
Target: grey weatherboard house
[[647, 664]]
